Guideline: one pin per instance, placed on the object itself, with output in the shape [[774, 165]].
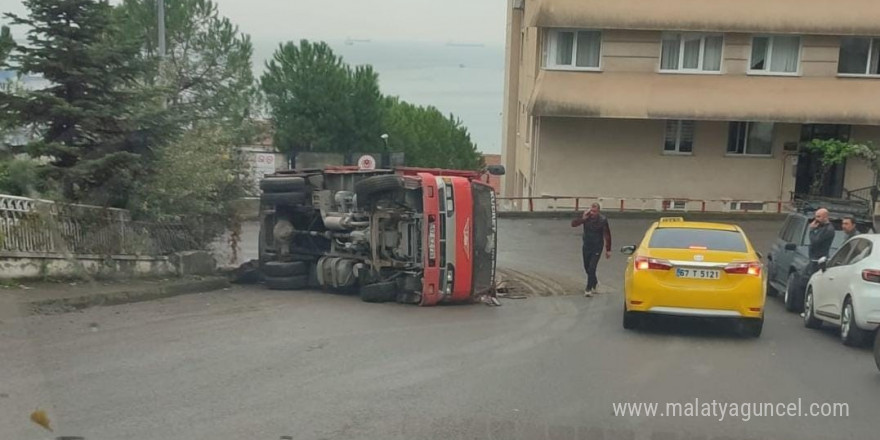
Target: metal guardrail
[[45, 227], [657, 204]]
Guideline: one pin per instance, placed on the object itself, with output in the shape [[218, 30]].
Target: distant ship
[[350, 41], [455, 44]]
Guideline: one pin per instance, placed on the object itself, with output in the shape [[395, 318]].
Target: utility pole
[[161, 11]]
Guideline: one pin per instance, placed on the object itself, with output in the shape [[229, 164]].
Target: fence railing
[[45, 227], [623, 204]]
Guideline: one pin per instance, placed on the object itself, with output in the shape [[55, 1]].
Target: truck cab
[[420, 236]]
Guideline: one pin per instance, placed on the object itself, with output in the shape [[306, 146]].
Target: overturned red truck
[[411, 235]]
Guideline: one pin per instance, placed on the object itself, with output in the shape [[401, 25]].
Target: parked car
[[845, 292], [788, 261]]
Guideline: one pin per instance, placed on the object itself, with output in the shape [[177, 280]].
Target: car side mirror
[[628, 250], [791, 246], [822, 263], [496, 170]]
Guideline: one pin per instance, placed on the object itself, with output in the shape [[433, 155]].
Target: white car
[[846, 290]]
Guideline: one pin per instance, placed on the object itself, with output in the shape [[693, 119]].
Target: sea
[[466, 80]]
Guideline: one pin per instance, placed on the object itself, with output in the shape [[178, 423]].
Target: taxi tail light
[[645, 263], [751, 268], [871, 275]]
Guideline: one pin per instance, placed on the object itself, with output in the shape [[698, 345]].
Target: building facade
[[687, 99]]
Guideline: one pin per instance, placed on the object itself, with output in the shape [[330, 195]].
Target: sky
[[468, 21]]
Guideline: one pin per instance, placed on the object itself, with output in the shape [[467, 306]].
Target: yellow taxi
[[698, 269]]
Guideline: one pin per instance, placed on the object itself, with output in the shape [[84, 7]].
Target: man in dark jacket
[[821, 235], [597, 235]]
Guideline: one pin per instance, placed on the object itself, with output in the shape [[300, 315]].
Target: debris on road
[[40, 418]]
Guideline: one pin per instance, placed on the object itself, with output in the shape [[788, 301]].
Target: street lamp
[[385, 139]]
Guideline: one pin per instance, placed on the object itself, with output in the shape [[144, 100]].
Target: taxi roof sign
[[671, 219]]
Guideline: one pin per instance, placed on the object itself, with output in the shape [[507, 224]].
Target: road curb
[[64, 305], [717, 216]]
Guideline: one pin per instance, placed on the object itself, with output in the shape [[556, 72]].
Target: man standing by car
[[849, 227], [821, 236], [597, 234]]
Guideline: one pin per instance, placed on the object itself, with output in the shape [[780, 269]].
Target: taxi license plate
[[698, 274]]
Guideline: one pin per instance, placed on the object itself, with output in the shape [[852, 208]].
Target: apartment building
[[687, 99]]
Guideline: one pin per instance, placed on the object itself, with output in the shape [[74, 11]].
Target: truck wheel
[[287, 283], [282, 184], [284, 198], [377, 184], [281, 269], [379, 292]]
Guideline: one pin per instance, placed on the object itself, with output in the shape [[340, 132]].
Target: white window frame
[[768, 72], [745, 152], [678, 125], [872, 42], [681, 69], [550, 51]]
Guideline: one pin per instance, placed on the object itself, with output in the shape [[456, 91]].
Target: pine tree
[[97, 123]]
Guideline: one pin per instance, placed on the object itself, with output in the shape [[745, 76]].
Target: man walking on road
[[597, 235]]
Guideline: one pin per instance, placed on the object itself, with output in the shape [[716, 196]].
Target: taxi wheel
[[631, 320], [752, 328]]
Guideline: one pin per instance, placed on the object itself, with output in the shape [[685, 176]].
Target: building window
[[750, 138], [775, 54], [691, 52], [574, 50], [679, 137], [859, 56]]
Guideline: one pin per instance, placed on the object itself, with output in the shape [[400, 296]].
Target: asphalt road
[[247, 363]]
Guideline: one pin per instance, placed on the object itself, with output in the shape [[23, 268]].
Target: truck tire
[[282, 184], [371, 186], [379, 292], [287, 283], [281, 269], [295, 198]]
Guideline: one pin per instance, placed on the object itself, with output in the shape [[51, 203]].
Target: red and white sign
[[367, 162]]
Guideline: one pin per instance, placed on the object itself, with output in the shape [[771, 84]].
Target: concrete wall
[[25, 266], [624, 158]]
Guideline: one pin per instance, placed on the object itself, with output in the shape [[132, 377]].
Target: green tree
[[197, 179], [6, 44], [428, 138], [98, 124], [207, 72], [832, 152], [320, 104]]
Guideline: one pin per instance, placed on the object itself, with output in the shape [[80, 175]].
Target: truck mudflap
[[431, 294]]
